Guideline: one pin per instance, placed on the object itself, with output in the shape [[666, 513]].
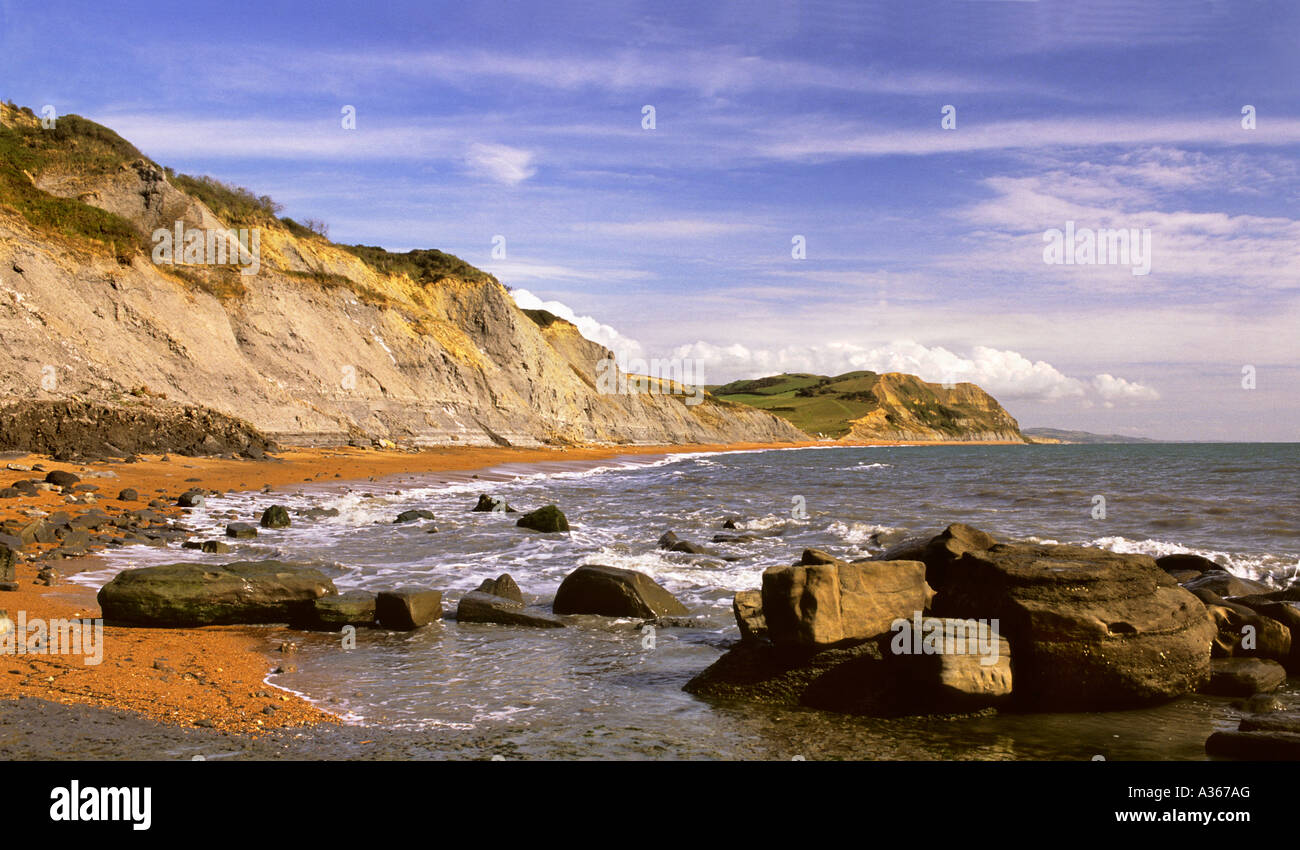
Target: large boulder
[[477, 607], [408, 608], [549, 519], [614, 592], [201, 595], [1089, 628], [821, 601]]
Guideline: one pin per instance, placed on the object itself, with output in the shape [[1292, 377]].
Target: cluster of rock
[[247, 592], [1077, 628]]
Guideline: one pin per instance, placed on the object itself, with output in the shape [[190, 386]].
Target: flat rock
[[332, 613], [476, 607], [200, 595]]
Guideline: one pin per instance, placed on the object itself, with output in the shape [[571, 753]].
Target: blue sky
[[924, 245]]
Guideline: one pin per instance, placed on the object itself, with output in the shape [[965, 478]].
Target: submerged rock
[[492, 504], [614, 592], [549, 519], [477, 607], [412, 516], [241, 530], [201, 595]]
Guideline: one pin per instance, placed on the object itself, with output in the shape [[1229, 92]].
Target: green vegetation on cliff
[[868, 404]]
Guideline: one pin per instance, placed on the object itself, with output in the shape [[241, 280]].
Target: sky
[[825, 186]]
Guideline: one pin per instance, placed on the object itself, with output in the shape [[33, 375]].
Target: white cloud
[[1007, 375], [587, 325], [501, 163], [1112, 389]]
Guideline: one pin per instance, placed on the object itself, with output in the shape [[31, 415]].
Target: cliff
[[870, 406], [325, 343]]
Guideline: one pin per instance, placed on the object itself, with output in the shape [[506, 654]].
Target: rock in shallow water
[[503, 586], [614, 592], [276, 516], [476, 607], [199, 595], [408, 608], [1243, 677], [332, 613], [1089, 628], [549, 519], [822, 601]]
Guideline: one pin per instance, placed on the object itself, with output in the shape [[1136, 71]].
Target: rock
[[1286, 613], [476, 607], [1243, 677], [412, 516], [1186, 562], [192, 499], [214, 547], [60, 478], [7, 560], [747, 606], [241, 530], [182, 595], [503, 586], [1260, 704], [1089, 628], [673, 543], [1241, 633], [549, 519], [822, 601], [911, 549], [950, 666], [276, 516], [408, 608], [493, 504], [1225, 584], [332, 613], [730, 522], [614, 592], [1255, 746], [860, 678]]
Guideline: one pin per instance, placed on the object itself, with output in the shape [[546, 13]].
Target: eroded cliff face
[[316, 348], [913, 409]]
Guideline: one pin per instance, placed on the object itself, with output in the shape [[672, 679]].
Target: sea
[[612, 689]]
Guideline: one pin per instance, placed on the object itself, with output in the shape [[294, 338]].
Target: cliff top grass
[[76, 145], [424, 266], [26, 149], [818, 404]]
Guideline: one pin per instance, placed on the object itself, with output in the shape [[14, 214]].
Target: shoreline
[[215, 676]]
